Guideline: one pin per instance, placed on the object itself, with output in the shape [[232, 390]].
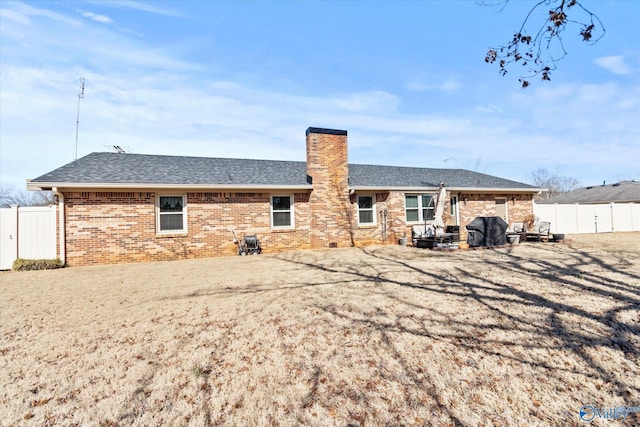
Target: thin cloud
[[103, 19], [614, 64], [15, 16], [140, 6], [21, 14], [100, 47], [488, 109], [375, 101]]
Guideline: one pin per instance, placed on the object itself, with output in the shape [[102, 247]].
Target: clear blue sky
[[246, 78]]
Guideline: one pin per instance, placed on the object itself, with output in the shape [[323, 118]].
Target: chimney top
[[326, 131]]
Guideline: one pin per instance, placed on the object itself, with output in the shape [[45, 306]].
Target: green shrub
[[36, 264]]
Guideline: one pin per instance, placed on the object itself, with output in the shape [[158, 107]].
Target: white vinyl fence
[[27, 232], [600, 218]]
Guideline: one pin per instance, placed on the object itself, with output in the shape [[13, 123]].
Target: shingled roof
[[410, 177], [119, 169], [624, 191]]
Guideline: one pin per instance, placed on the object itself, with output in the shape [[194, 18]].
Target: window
[[282, 211], [171, 214], [366, 210], [418, 208]]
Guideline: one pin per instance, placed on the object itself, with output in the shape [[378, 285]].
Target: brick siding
[[115, 227]]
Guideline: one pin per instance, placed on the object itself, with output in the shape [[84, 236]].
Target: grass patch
[[200, 371], [386, 335]]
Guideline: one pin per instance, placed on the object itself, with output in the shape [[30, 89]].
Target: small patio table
[[431, 242]]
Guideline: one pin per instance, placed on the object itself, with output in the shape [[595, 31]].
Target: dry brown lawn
[[379, 336]]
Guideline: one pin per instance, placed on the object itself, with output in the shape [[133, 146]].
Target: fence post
[[15, 210], [54, 219], [613, 227], [8, 237]]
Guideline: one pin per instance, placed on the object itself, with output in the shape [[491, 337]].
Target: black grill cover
[[487, 231]]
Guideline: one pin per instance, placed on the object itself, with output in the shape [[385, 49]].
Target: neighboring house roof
[[122, 170], [624, 191]]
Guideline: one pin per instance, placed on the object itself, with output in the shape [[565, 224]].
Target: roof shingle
[[116, 168]]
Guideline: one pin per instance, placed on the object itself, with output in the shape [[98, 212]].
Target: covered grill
[[487, 231]]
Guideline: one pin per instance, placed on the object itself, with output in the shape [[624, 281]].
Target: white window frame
[[420, 207], [291, 212], [184, 215], [372, 209]]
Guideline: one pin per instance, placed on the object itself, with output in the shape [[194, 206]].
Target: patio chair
[[539, 231], [516, 227], [421, 231]]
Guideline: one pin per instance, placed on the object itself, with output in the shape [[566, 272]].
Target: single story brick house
[[118, 207]]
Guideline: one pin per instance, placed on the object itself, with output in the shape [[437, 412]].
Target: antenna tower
[[80, 96]]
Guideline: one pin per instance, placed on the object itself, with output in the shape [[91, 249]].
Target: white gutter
[[449, 189], [308, 187], [496, 190], [63, 253], [145, 186]]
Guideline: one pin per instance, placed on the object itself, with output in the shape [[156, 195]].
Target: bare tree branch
[[556, 184], [10, 196], [539, 54], [6, 196]]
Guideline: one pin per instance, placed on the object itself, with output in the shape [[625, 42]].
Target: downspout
[[62, 236]]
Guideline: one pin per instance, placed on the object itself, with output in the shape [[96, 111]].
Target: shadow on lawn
[[571, 269]]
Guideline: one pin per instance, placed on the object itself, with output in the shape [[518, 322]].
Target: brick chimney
[[328, 172]]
